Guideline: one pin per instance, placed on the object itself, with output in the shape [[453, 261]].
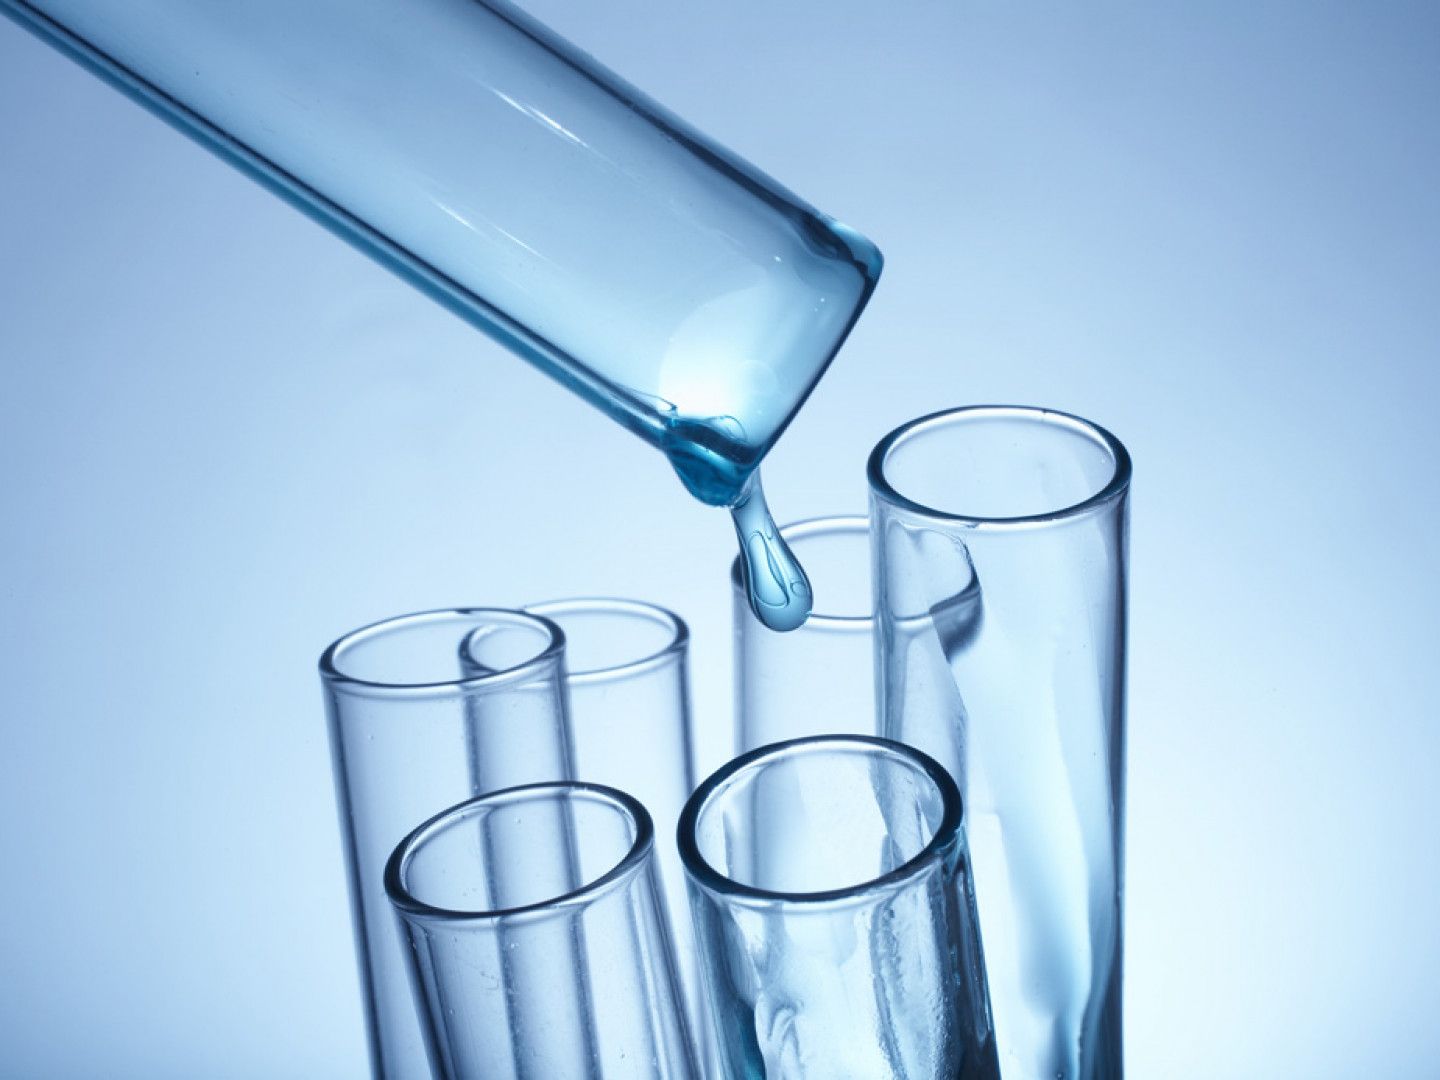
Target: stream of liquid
[[775, 582]]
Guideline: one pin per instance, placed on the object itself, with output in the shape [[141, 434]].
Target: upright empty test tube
[[843, 945], [523, 974], [424, 711], [1001, 544]]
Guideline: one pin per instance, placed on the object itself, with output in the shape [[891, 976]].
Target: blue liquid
[[712, 457], [775, 582]]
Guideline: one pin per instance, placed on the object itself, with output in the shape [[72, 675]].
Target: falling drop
[[775, 583]]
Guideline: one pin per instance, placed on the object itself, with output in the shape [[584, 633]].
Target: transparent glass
[[1000, 539], [538, 942], [424, 711], [628, 677], [843, 946], [510, 176], [819, 678]]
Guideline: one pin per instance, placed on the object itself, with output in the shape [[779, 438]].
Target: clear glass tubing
[[424, 711], [628, 681], [819, 678], [514, 179], [1001, 542], [537, 943], [843, 945]]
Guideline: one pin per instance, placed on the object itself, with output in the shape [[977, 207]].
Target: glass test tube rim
[[947, 834], [631, 863], [332, 660], [1113, 489], [676, 646], [808, 529]]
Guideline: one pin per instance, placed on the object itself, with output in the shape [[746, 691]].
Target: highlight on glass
[[628, 679], [819, 678], [844, 946], [426, 710], [537, 942], [1001, 547]]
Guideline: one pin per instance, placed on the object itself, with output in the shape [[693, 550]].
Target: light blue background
[[226, 439]]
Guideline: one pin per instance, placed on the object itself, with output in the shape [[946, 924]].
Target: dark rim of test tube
[[561, 791], [946, 834]]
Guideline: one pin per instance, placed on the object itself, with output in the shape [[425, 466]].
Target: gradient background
[[225, 439]]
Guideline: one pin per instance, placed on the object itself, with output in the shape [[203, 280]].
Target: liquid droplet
[[775, 583]]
